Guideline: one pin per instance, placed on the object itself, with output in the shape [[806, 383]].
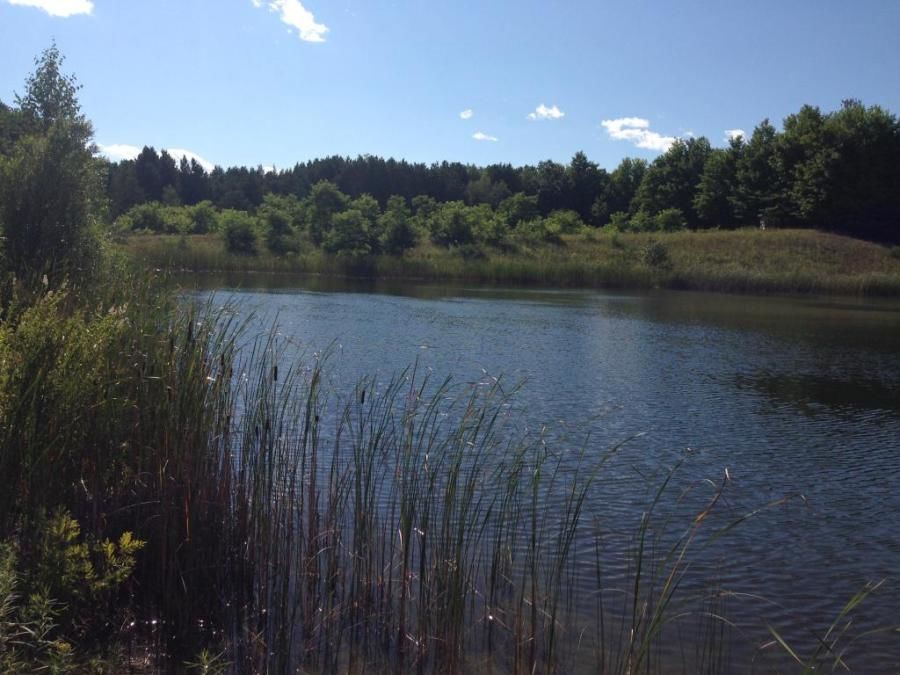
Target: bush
[[239, 231], [895, 252], [538, 231], [349, 234], [398, 234], [452, 225], [470, 252], [642, 222], [655, 254], [670, 220], [203, 218], [618, 221], [564, 222]]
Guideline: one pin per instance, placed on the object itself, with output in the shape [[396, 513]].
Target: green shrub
[[83, 573], [670, 220], [642, 222], [239, 230], [398, 233], [349, 234], [203, 218], [619, 221], [564, 222], [655, 254], [451, 225], [538, 231]]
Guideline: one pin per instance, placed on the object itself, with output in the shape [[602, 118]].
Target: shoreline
[[740, 262]]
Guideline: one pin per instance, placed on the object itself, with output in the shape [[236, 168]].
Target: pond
[[794, 397]]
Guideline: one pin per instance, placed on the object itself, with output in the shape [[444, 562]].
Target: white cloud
[[118, 151], [731, 134], [62, 8], [479, 136], [178, 153], [542, 112], [637, 131], [466, 114], [295, 15]]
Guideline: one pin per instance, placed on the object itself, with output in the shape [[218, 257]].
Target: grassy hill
[[742, 261]]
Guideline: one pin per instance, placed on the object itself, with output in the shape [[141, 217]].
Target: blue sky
[[272, 82]]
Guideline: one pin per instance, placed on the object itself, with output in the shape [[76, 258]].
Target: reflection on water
[[812, 394], [793, 396]]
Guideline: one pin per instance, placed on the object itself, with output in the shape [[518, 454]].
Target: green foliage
[[208, 663], [671, 181], [759, 184], [564, 222], [483, 190], [537, 231], [655, 254], [204, 218], [398, 234], [282, 217], [452, 225], [325, 201], [349, 235], [669, 220], [59, 593], [28, 635], [48, 201], [619, 221], [49, 182], [588, 182], [642, 222], [518, 208], [239, 232], [716, 191], [624, 182], [81, 573], [50, 96], [487, 227]]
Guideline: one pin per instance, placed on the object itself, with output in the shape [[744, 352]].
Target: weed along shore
[[743, 261]]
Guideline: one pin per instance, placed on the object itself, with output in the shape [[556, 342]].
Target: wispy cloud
[[731, 134], [637, 131], [61, 8], [119, 151], [178, 153], [466, 114], [480, 136], [542, 112], [295, 15]]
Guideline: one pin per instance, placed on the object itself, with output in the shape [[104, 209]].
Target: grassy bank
[[743, 261]]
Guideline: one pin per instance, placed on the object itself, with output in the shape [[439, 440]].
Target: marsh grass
[[741, 261]]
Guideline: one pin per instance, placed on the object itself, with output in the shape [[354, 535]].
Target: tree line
[[837, 171]]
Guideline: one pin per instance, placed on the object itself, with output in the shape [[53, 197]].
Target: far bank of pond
[[742, 261]]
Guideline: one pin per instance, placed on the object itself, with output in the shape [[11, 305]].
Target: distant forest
[[837, 171]]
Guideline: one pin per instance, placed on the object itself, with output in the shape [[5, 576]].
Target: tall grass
[[743, 261]]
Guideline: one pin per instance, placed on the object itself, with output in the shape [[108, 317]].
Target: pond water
[[794, 397]]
